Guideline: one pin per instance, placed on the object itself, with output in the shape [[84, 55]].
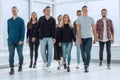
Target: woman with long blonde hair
[[67, 38], [57, 45]]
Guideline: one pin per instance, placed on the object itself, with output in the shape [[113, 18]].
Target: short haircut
[[84, 7], [47, 7], [103, 10], [14, 7], [78, 11]]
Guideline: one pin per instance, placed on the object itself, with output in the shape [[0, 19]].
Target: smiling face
[[66, 18], [79, 14], [33, 15], [59, 18]]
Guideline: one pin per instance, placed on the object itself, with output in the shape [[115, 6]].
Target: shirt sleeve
[[22, 30], [93, 22], [77, 21]]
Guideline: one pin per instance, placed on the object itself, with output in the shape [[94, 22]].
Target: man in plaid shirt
[[105, 33]]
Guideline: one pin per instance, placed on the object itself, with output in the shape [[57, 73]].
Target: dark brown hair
[[78, 11], [29, 25], [84, 7], [103, 10]]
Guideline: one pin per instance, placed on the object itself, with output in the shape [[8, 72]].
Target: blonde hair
[[69, 21]]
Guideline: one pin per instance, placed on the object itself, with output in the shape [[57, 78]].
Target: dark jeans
[[11, 48], [33, 47], [108, 49], [86, 50]]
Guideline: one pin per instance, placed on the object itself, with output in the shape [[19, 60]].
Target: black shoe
[[108, 66], [100, 63], [65, 66], [20, 69], [68, 69], [86, 69], [30, 66], [11, 72], [34, 66]]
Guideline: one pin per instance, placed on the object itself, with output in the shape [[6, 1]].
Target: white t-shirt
[[105, 39]]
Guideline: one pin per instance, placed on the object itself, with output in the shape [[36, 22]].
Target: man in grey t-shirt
[[85, 26]]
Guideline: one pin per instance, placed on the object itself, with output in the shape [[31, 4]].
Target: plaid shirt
[[100, 28]]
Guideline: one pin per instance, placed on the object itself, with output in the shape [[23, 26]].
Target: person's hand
[[74, 43], [59, 44], [33, 39], [95, 40], [54, 41], [80, 41], [20, 42], [112, 41], [27, 40]]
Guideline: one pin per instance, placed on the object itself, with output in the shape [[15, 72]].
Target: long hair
[[69, 21], [29, 25]]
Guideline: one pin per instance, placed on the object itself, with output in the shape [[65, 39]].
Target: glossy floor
[[95, 73]]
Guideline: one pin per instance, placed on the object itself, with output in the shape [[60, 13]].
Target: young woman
[[67, 37], [57, 45], [32, 45]]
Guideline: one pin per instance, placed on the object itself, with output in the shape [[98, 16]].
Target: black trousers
[[33, 47], [57, 52], [108, 49]]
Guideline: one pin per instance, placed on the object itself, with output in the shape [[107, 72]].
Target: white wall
[[94, 11], [95, 7], [6, 14]]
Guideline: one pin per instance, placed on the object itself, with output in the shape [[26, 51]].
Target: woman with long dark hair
[[32, 45]]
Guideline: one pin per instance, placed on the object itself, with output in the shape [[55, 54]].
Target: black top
[[74, 27], [67, 34], [58, 35], [47, 27], [30, 32]]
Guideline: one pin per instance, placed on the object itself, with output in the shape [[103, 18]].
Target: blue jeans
[[86, 50], [11, 49], [66, 50], [78, 50], [48, 41]]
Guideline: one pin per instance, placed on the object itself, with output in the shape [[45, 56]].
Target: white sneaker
[[44, 66], [59, 67], [48, 69], [78, 66]]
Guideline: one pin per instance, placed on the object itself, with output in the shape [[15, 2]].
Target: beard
[[104, 16]]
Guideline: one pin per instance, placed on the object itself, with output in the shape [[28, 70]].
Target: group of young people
[[61, 36]]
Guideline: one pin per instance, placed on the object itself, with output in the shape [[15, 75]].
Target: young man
[[16, 32], [85, 27], [47, 26], [78, 13], [105, 32]]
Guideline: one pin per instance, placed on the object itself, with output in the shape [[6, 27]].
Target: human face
[[79, 14], [66, 18], [104, 13], [14, 11], [85, 10], [34, 15], [47, 11], [59, 18]]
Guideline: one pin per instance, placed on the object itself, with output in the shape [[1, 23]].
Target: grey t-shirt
[[85, 23]]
